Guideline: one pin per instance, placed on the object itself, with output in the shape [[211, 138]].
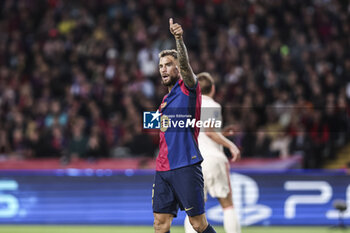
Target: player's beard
[[171, 81]]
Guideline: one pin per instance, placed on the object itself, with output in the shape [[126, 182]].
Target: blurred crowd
[[75, 76]]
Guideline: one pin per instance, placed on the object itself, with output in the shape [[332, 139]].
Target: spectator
[[97, 145], [77, 144], [97, 61]]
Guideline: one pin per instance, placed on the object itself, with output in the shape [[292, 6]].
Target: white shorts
[[216, 173]]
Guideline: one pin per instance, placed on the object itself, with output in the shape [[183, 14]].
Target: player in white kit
[[215, 166]]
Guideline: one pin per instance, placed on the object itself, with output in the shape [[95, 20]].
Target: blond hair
[[168, 52], [206, 82]]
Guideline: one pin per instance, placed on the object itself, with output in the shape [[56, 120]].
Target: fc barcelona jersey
[[178, 146]]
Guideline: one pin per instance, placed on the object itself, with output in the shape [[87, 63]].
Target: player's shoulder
[[186, 89], [210, 102]]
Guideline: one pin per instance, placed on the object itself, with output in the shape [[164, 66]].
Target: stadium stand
[[75, 76]]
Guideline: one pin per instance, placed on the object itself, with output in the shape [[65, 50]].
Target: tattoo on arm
[[185, 68]]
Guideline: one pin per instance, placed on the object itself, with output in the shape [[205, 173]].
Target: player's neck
[[171, 87]]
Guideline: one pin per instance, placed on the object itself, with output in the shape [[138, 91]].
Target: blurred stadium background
[[75, 77]]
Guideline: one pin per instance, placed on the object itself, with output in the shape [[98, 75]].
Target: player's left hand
[[175, 29], [236, 154]]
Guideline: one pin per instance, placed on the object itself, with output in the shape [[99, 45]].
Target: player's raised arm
[[185, 69]]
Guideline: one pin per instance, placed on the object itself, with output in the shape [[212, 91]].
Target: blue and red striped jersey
[[178, 146]]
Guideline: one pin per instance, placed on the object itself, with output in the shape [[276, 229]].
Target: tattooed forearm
[[185, 68]]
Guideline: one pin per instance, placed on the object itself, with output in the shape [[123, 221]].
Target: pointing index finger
[[171, 21]]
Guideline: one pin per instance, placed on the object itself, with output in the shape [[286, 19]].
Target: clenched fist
[[175, 29]]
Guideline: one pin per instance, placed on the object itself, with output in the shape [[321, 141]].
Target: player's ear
[[212, 92]]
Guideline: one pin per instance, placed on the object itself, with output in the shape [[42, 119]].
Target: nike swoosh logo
[[187, 209]]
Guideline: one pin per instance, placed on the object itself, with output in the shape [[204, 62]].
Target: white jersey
[[209, 149], [215, 164]]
